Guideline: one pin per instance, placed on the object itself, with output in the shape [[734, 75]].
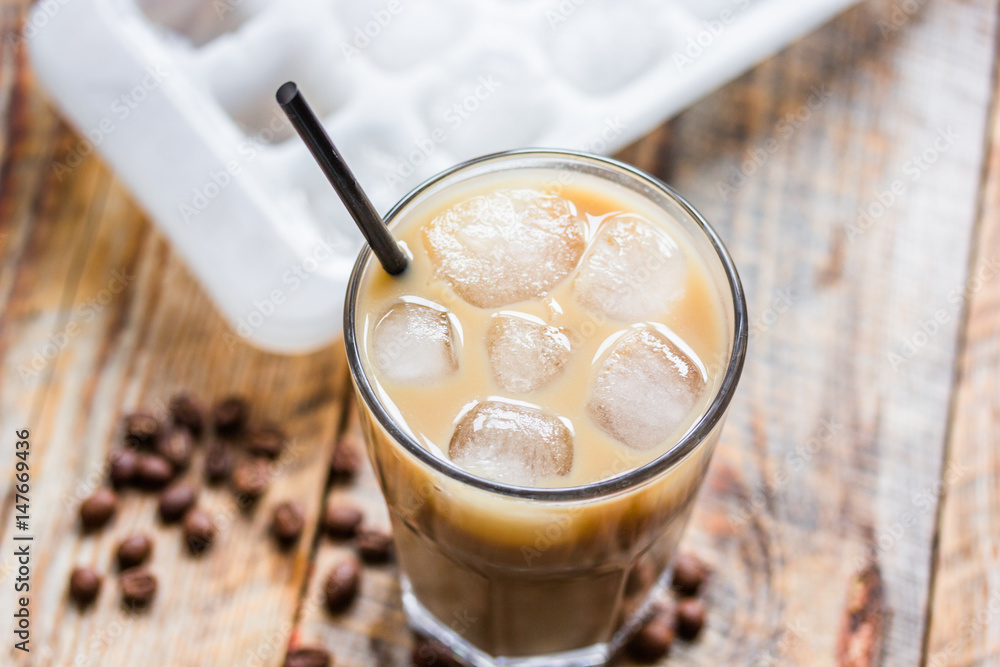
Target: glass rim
[[695, 435]]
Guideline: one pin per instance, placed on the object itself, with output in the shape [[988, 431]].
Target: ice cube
[[512, 444], [505, 247], [414, 343], [644, 389], [525, 355], [632, 271]]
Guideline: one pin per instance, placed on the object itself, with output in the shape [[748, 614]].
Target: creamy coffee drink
[[556, 334]]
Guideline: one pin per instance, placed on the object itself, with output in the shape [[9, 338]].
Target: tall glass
[[540, 576]]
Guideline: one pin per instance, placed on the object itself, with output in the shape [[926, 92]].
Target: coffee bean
[[84, 585], [138, 587], [690, 617], [122, 467], [98, 509], [134, 550], [230, 415], [199, 530], [218, 461], [176, 447], [176, 500], [142, 429], [346, 460], [268, 440], [374, 546], [288, 521], [153, 471], [341, 584], [341, 519], [187, 413], [653, 640], [308, 657], [432, 653], [250, 479], [690, 573]]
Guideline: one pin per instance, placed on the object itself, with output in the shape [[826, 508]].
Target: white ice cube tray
[[178, 96]]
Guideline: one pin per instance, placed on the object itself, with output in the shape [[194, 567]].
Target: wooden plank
[[157, 336], [138, 329], [787, 536], [829, 437], [965, 614], [373, 630], [834, 447]]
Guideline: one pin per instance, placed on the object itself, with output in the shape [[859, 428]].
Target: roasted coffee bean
[[250, 479], [187, 413], [287, 522], [230, 415], [268, 440], [341, 519], [199, 530], [122, 467], [690, 573], [432, 653], [374, 546], [134, 550], [84, 585], [218, 461], [98, 509], [690, 618], [346, 460], [176, 447], [308, 656], [341, 584], [142, 429], [138, 587], [153, 471], [652, 641], [176, 500]]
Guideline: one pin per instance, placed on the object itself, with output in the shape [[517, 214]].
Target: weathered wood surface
[[965, 616], [836, 448], [833, 453]]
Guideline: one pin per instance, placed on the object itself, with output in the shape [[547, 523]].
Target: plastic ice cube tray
[[178, 96]]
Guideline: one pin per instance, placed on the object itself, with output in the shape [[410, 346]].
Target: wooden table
[[852, 512]]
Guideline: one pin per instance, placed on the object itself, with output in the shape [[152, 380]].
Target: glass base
[[423, 622]]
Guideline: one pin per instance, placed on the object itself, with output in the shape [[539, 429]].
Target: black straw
[[360, 207]]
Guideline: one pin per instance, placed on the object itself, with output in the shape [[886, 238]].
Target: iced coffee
[[542, 391]]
